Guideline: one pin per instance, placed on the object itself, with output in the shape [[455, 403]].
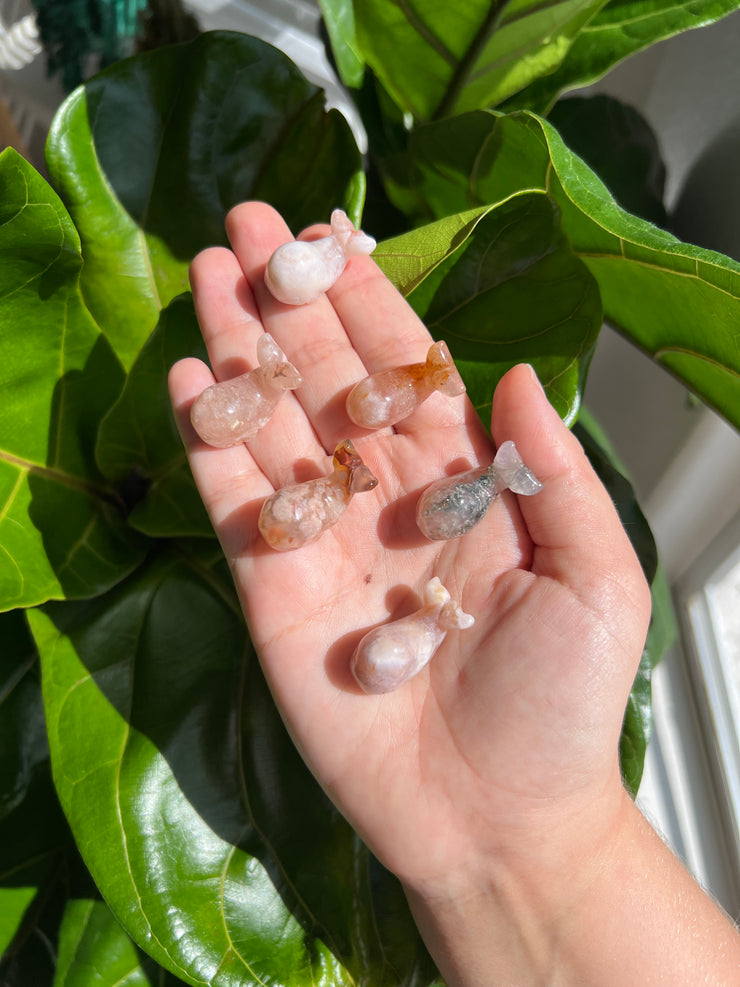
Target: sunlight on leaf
[[151, 154], [619, 29], [502, 286], [440, 59], [62, 531], [678, 302]]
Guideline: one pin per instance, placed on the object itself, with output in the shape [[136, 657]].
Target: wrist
[[609, 904], [507, 914]]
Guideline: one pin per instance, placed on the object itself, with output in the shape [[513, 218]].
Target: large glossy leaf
[[62, 531], [206, 834], [14, 903], [618, 143], [94, 949], [638, 717], [151, 154], [438, 59], [339, 19], [501, 286], [619, 29], [23, 744], [679, 303], [139, 447]]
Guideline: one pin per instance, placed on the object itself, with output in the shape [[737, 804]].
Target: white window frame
[[691, 788]]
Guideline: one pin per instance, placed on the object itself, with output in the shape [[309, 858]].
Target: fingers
[[227, 312], [578, 536], [228, 479], [386, 333], [230, 322], [363, 325], [312, 335]]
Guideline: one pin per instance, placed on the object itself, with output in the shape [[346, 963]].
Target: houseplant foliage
[[157, 824]]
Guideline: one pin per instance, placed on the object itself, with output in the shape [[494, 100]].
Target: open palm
[[524, 708]]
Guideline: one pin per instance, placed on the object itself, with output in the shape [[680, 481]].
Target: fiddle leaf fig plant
[[157, 824]]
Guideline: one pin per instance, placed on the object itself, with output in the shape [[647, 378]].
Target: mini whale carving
[[299, 271], [233, 411], [393, 653], [300, 513], [389, 396], [452, 506]]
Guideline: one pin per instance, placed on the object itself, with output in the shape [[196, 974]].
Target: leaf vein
[[693, 275]]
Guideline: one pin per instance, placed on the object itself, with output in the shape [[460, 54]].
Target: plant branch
[[90, 489], [466, 64]]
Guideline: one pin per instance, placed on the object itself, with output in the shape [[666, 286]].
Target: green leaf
[[139, 447], [677, 302], [151, 154], [619, 29], [354, 198], [502, 286], [409, 259], [128, 275], [438, 60], [61, 528], [13, 905], [197, 818], [638, 719], [23, 744], [339, 18], [636, 728], [94, 949], [616, 141]]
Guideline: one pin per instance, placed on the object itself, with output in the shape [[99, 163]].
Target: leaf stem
[[106, 494], [466, 64]]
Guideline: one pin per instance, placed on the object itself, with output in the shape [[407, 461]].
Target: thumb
[[578, 536]]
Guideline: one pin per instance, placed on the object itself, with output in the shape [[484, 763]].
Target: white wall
[[687, 88]]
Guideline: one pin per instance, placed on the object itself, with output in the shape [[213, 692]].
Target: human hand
[[514, 725]]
